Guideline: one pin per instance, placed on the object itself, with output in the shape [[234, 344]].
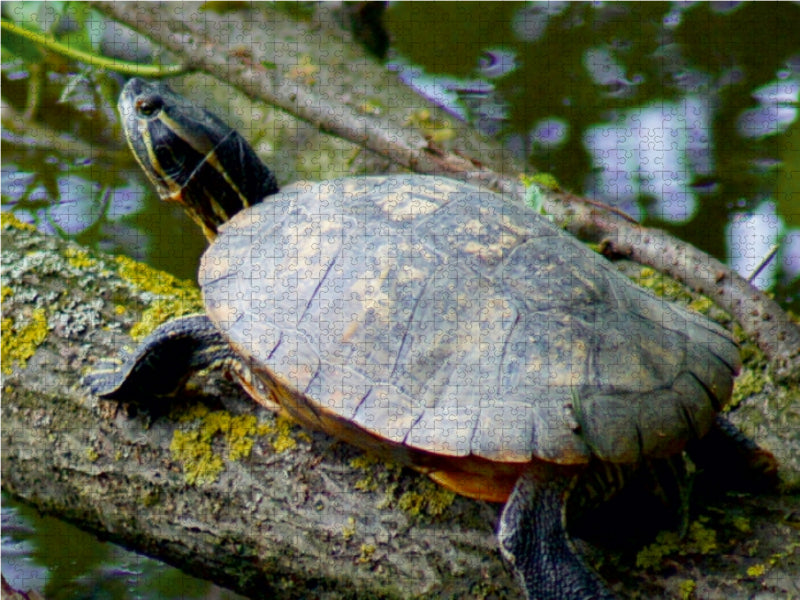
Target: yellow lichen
[[92, 454], [702, 305], [304, 72], [370, 106], [79, 258], [200, 464], [281, 433], [702, 540], [661, 285], [19, 342], [192, 413], [180, 297], [7, 219], [749, 383], [423, 498], [434, 129], [195, 448], [652, 556], [367, 550], [756, 570], [5, 292], [365, 462], [742, 524], [429, 499], [545, 180], [349, 530], [687, 588], [160, 312], [699, 540]]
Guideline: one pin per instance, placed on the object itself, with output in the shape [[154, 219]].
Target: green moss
[[428, 499], [20, 341], [747, 384]]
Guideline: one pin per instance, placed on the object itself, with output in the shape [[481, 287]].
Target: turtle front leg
[[163, 362], [534, 540]]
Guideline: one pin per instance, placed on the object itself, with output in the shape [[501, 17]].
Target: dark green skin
[[412, 314]]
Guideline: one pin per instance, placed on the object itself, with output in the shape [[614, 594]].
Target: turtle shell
[[438, 319]]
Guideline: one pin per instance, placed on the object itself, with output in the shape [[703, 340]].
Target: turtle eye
[[149, 106]]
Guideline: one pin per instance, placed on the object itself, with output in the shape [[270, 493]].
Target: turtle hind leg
[[163, 362], [534, 540], [729, 460]]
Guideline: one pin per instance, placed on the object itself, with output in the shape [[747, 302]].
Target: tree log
[[225, 490]]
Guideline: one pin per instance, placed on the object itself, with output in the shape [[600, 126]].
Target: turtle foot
[[534, 540], [729, 460], [162, 363]]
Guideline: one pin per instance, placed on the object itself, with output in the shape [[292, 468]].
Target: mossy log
[[226, 490], [215, 484]]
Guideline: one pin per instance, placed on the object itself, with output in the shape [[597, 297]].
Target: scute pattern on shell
[[441, 316]]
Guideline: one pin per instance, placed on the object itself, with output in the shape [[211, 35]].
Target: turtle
[[432, 322]]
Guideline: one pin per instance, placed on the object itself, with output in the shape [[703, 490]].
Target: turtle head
[[191, 156]]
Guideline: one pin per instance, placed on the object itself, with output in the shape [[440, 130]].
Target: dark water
[[683, 115], [64, 563]]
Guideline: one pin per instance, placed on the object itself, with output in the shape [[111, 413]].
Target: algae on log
[[225, 490]]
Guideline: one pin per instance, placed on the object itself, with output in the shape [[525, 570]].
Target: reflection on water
[[668, 111], [654, 151]]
